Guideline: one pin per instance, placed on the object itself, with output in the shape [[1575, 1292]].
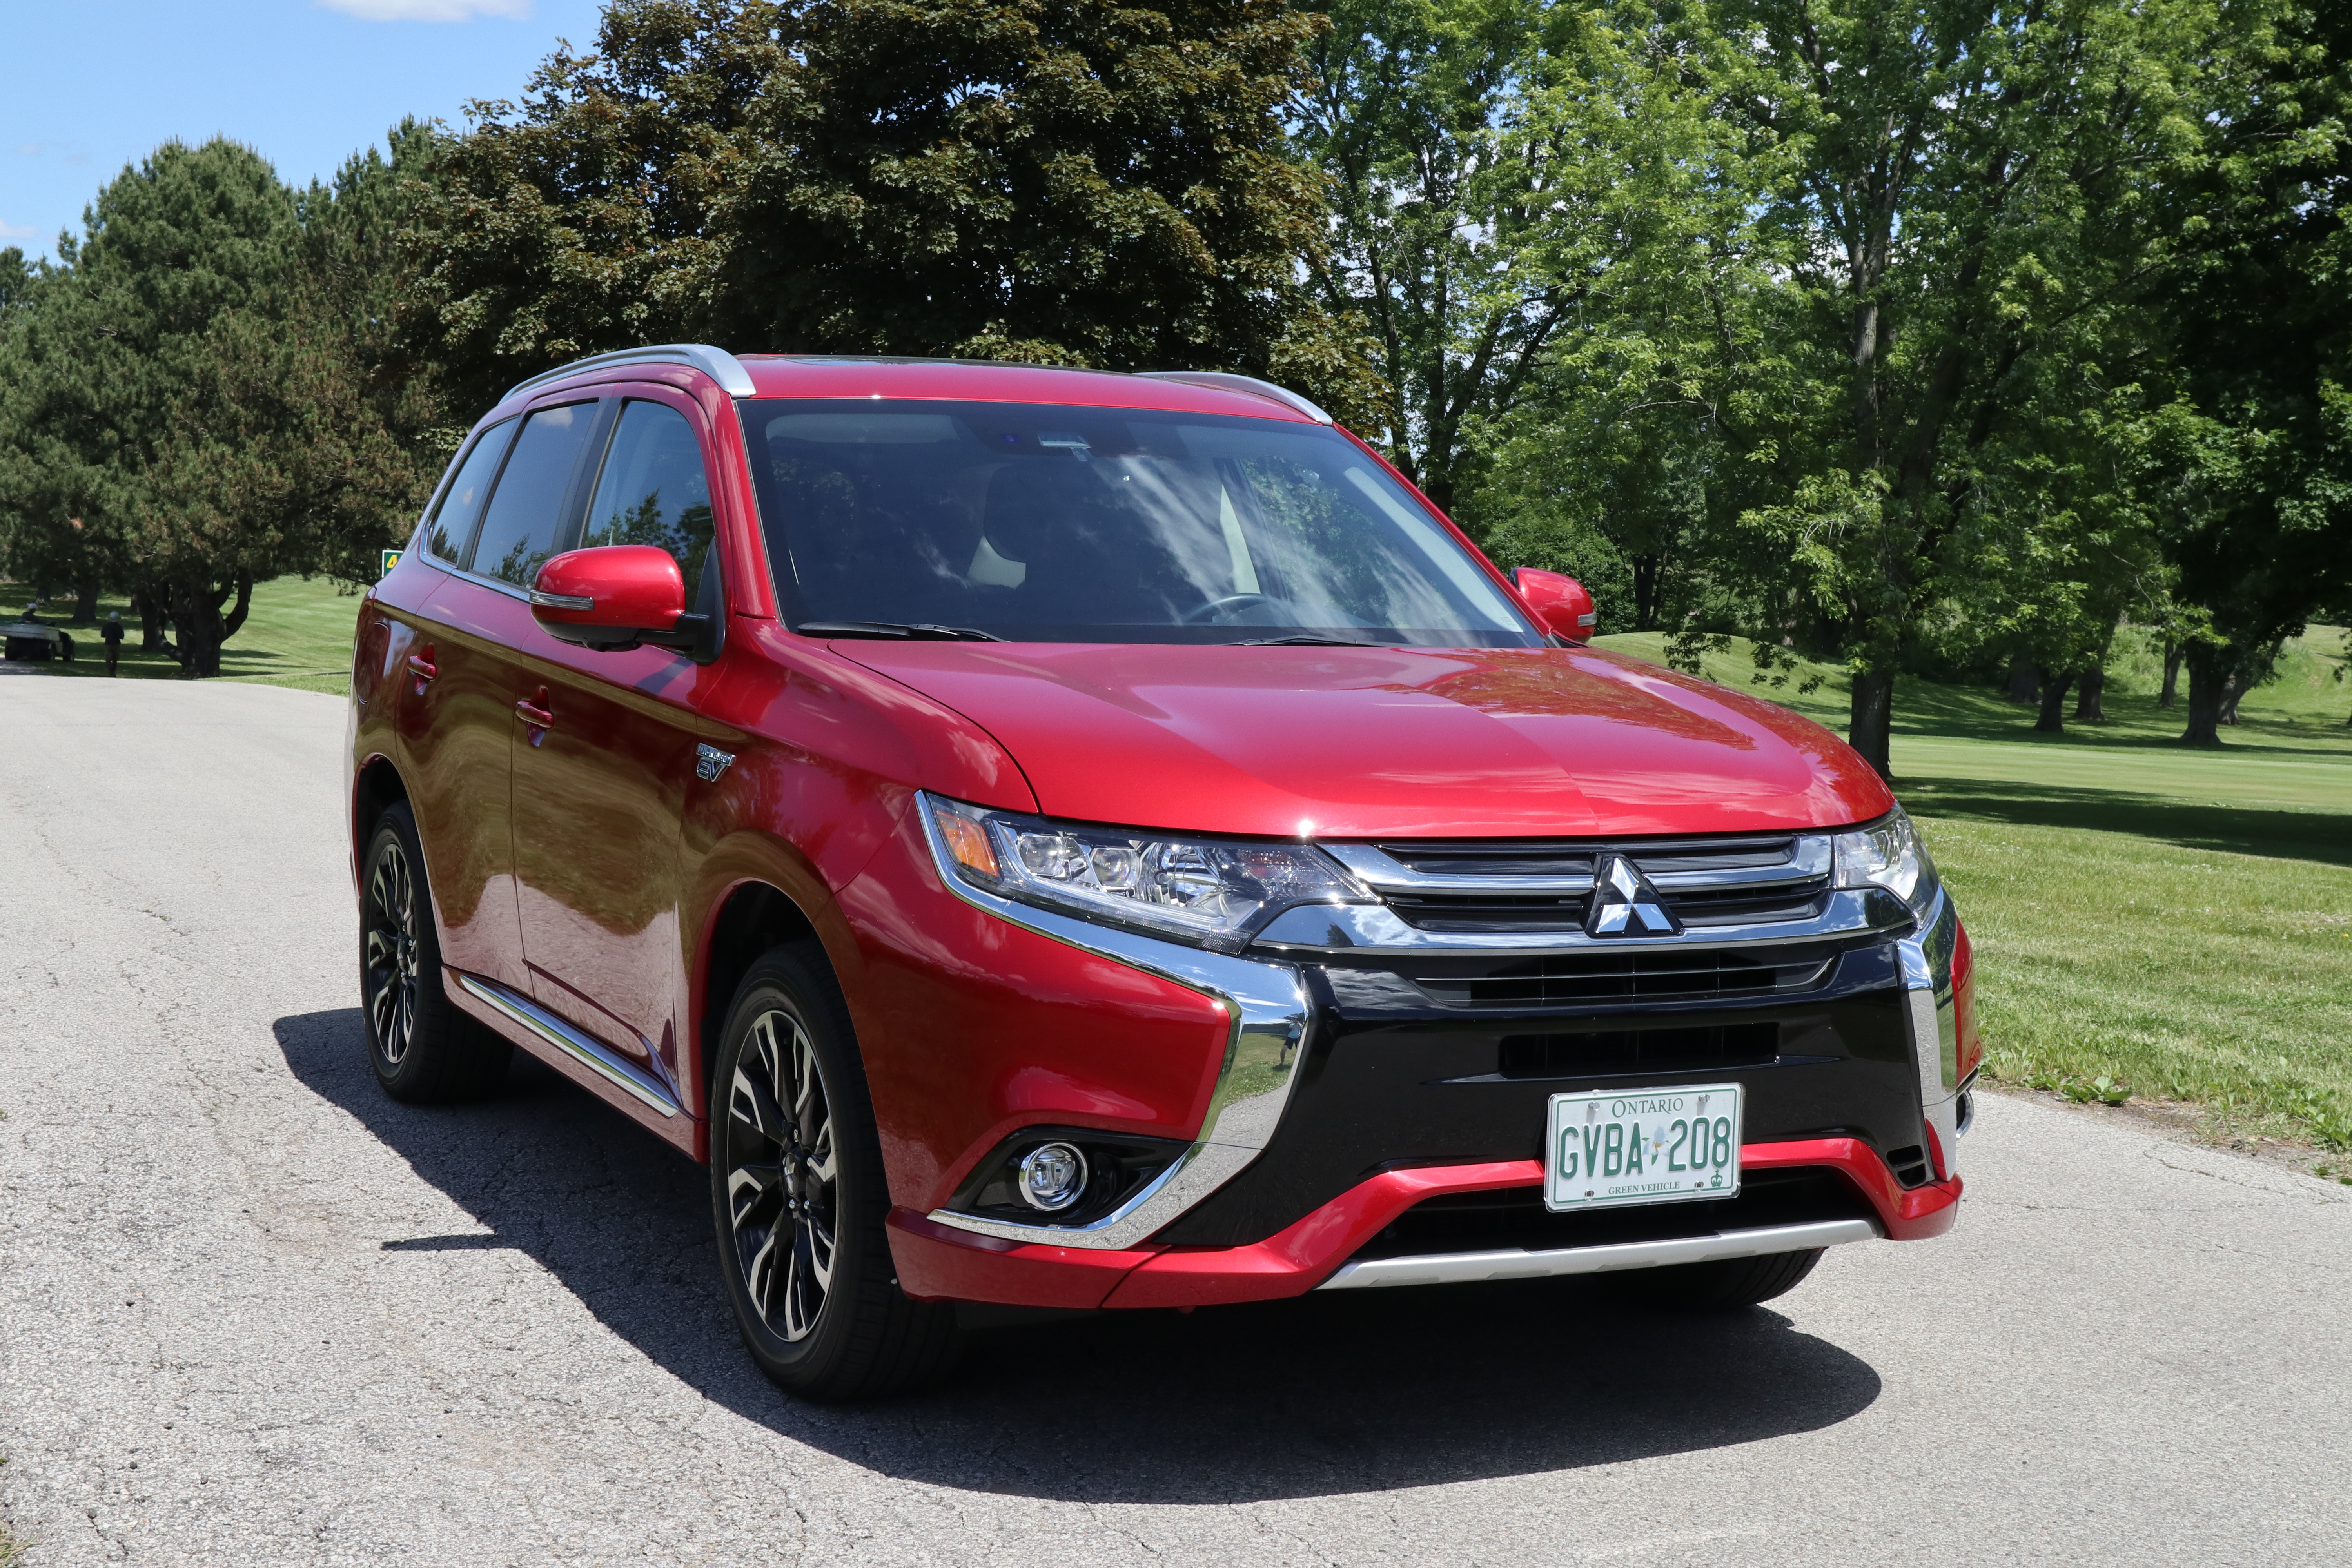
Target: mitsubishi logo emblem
[[1623, 903]]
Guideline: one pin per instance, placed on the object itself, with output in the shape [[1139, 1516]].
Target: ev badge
[[1623, 903], [709, 762]]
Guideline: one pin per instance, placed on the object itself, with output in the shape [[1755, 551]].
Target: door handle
[[534, 711], [422, 667]]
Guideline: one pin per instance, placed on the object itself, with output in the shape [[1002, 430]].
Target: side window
[[654, 490], [461, 503], [519, 528]]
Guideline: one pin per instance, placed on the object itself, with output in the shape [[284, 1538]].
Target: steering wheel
[[1216, 608]]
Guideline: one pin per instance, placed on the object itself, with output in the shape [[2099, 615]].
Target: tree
[[1913, 311], [1066, 181], [191, 404], [2248, 461]]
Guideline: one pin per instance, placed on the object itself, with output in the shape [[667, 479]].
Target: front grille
[[1515, 1216], [1489, 912], [1623, 975], [1798, 896], [1612, 1052]]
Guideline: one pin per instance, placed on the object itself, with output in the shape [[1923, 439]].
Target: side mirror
[[617, 596], [1560, 603]]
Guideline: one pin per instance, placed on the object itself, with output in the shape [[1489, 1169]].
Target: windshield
[[1040, 523]]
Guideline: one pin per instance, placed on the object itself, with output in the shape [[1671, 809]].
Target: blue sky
[[91, 85]]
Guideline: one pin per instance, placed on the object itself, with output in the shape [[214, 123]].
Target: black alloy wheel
[[799, 1198], [782, 1175], [424, 1050], [388, 958]]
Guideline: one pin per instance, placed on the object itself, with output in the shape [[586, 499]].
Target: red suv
[[1091, 841]]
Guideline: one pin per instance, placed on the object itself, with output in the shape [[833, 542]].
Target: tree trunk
[[1872, 715], [1647, 570], [85, 605], [2173, 652], [2088, 709], [2021, 684], [2213, 683], [236, 621], [148, 604], [2230, 703], [2052, 719]]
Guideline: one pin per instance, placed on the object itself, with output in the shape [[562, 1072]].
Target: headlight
[[1887, 854], [1213, 892]]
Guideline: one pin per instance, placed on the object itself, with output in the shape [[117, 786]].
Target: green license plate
[[1616, 1147]]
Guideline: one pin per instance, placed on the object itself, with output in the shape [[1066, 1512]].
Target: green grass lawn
[[297, 633], [2178, 922]]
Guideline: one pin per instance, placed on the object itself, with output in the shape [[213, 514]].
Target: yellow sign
[[391, 559]]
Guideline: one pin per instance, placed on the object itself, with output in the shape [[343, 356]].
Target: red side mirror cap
[[611, 596], [1560, 603]]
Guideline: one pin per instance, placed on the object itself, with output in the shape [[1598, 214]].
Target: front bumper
[[1321, 1249], [1376, 1121]]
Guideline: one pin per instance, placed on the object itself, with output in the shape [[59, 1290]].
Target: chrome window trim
[[1812, 858], [1516, 1263], [1268, 1012], [587, 1052], [715, 363]]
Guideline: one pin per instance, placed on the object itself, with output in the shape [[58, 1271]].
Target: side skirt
[[577, 1055]]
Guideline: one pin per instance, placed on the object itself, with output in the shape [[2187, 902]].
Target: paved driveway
[[252, 1311]]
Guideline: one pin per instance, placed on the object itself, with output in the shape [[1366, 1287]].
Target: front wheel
[[798, 1196]]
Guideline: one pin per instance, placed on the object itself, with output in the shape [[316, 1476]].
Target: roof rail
[[1249, 384], [716, 363]]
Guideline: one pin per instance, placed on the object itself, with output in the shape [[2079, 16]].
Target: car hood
[[1355, 743]]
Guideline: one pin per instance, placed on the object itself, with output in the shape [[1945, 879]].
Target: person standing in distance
[[112, 633]]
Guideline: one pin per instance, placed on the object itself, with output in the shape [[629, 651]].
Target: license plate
[[1614, 1147]]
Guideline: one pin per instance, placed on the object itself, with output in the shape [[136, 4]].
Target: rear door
[[600, 789]]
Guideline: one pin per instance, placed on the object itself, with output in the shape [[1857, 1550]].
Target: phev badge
[[1623, 903]]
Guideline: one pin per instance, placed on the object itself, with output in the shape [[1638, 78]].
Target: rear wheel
[[1731, 1282], [423, 1048], [799, 1200]]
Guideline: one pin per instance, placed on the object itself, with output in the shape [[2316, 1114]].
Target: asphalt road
[[252, 1311]]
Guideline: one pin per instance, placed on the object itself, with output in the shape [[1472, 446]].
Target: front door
[[450, 716], [458, 718], [600, 787]]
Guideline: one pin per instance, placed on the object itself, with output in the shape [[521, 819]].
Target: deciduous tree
[[1068, 181]]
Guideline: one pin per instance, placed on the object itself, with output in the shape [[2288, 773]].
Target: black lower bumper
[[1392, 1077]]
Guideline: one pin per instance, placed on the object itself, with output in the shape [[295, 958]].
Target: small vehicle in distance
[[1080, 841], [30, 640]]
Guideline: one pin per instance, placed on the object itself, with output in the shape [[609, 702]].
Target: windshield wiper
[[918, 631], [1305, 639]]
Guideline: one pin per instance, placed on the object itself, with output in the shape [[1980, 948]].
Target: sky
[[88, 85]]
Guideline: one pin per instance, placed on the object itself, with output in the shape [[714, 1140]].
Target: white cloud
[[427, 10], [15, 230]]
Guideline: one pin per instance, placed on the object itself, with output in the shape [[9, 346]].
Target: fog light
[[1053, 1175]]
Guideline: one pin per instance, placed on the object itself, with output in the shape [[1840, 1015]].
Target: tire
[[798, 1197], [1732, 1283], [425, 1050]]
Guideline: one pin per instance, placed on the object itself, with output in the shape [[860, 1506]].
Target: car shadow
[[1346, 1393]]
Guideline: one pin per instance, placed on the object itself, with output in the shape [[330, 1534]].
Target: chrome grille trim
[[1376, 929], [1808, 858]]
